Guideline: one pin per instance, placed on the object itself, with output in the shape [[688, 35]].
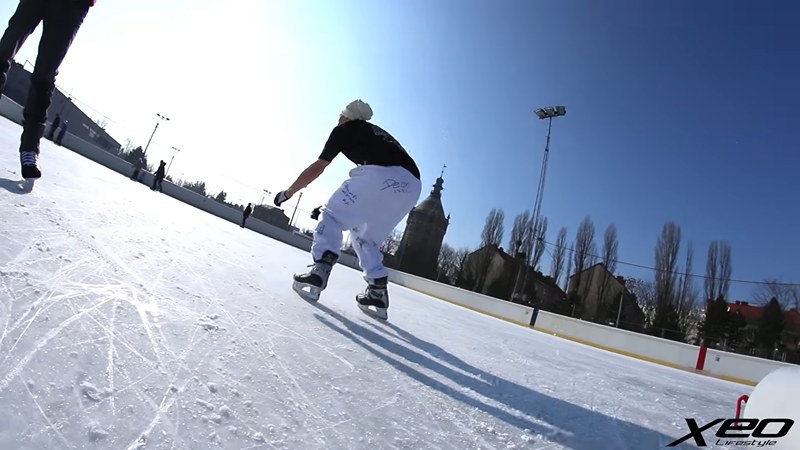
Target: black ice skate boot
[[375, 299], [310, 284], [30, 165]]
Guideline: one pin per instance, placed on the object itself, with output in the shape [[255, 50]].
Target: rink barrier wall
[[491, 306], [733, 367], [729, 366], [10, 109]]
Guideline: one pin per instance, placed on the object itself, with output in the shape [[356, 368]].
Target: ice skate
[[375, 299], [30, 166], [310, 285]]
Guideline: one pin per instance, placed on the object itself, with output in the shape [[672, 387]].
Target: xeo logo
[[747, 432]]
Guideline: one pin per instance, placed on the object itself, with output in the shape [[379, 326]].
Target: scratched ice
[[132, 321]]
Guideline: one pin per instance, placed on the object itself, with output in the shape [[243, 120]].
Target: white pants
[[369, 204]]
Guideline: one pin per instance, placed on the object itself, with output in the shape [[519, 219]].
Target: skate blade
[[377, 313], [308, 292]]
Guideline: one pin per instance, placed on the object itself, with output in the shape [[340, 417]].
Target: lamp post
[[546, 113], [175, 151], [160, 119]]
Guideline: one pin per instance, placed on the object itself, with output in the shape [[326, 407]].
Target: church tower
[[422, 239]]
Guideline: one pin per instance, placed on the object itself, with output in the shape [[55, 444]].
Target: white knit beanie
[[357, 110]]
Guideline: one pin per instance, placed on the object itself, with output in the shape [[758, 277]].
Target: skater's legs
[[327, 236], [25, 19], [387, 207], [62, 19], [369, 204]]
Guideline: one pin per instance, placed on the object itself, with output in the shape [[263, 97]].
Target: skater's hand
[[281, 197]]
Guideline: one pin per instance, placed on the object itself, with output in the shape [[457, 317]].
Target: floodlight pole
[[160, 118], [175, 151], [543, 113], [540, 189]]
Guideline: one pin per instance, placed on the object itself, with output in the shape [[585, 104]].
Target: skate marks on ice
[[89, 354], [506, 413]]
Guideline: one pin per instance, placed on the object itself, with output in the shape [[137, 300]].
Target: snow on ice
[[133, 321]]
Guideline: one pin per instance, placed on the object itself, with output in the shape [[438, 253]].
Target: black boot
[[30, 165], [375, 299], [315, 280]]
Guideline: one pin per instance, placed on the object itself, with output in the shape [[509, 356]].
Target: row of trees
[[675, 306]]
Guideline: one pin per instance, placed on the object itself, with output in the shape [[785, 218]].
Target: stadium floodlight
[[548, 112]]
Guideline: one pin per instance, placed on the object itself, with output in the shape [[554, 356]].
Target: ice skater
[[54, 127], [246, 213], [379, 193], [62, 19], [158, 177], [62, 131]]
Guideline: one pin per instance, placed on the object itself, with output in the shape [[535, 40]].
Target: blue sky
[[680, 111], [676, 110]]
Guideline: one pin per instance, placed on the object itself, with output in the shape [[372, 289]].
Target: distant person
[[379, 193], [61, 132], [138, 165], [62, 19], [158, 177], [54, 127], [246, 213], [136, 170]]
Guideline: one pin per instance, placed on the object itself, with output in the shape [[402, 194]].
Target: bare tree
[[447, 264], [539, 237], [521, 235], [718, 270], [686, 306], [558, 255], [610, 247], [725, 268], [710, 282], [493, 228], [645, 293], [666, 323], [569, 259], [392, 242], [492, 235], [128, 146], [584, 249], [461, 257], [667, 249], [788, 295]]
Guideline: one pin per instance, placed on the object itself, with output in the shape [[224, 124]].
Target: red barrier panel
[[701, 358]]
